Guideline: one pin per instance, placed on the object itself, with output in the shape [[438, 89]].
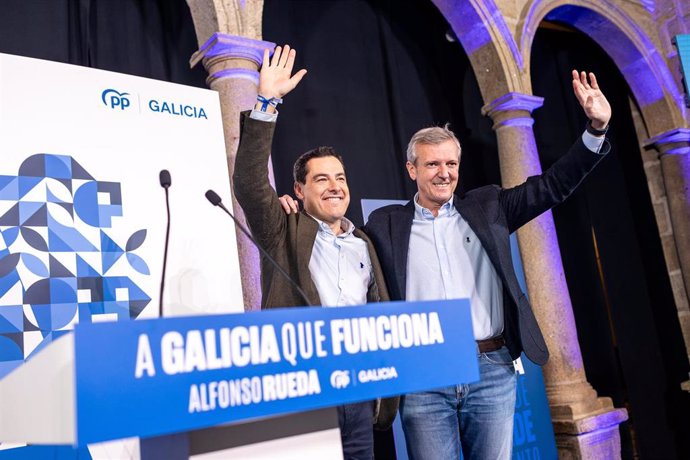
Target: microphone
[[216, 201], [165, 181], [164, 178]]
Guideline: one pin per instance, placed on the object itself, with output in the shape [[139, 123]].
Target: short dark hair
[[299, 170]]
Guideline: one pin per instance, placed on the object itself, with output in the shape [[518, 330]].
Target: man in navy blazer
[[444, 246]]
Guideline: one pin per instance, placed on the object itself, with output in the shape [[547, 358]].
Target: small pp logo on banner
[[340, 379], [115, 99]]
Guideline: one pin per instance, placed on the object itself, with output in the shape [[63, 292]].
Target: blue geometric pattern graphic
[[60, 261]]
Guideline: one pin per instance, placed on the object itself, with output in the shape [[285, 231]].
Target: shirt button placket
[[442, 256], [341, 269]]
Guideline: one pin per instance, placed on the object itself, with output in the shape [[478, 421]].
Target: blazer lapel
[[306, 234], [401, 229]]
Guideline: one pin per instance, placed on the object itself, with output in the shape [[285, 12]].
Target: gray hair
[[431, 136]]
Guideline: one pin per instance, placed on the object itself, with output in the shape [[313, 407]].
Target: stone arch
[[490, 47], [633, 51]]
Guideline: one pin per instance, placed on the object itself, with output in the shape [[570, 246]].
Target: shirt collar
[[345, 224], [446, 210]]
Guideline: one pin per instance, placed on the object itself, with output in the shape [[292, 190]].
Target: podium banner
[[149, 377]]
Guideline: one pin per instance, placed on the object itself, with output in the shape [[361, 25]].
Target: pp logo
[[340, 379], [115, 99]]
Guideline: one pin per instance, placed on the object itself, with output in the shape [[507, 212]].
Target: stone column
[[674, 156], [232, 63], [586, 426]]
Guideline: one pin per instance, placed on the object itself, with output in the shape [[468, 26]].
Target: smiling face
[[436, 172], [324, 192]]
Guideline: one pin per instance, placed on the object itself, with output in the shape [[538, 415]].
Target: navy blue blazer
[[493, 213]]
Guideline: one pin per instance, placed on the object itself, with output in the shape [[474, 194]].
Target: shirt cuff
[[592, 142], [263, 116]]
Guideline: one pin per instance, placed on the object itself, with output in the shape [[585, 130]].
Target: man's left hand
[[275, 77], [289, 204], [592, 100]]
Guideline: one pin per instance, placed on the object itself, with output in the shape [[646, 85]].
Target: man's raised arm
[[540, 193], [250, 178]]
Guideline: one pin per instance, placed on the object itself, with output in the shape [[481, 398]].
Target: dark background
[[378, 71]]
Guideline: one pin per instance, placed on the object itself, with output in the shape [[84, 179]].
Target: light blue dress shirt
[[340, 266], [446, 260]]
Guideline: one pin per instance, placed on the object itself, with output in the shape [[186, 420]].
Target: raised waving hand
[[275, 78], [592, 100]]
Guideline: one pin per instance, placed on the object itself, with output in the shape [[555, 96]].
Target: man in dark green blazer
[[333, 262]]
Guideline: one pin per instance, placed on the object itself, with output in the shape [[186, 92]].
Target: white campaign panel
[[82, 213]]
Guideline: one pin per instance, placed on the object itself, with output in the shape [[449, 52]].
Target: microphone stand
[[216, 201], [165, 181]]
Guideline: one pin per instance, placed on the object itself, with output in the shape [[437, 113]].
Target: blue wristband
[[273, 102]]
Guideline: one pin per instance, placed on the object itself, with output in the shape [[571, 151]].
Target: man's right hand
[[275, 79]]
